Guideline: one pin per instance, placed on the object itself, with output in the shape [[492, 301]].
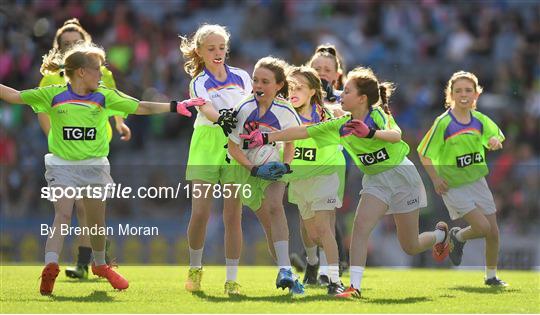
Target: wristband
[[173, 104]]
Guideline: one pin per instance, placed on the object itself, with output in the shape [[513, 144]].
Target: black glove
[[327, 87], [227, 120]]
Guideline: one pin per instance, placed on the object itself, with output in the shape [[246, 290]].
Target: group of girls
[[298, 108], [286, 103]]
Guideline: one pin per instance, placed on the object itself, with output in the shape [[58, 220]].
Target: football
[[263, 154]]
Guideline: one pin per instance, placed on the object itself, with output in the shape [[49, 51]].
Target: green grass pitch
[[159, 289]]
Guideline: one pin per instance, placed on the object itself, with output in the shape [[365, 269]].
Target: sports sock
[[459, 236], [311, 257], [439, 236], [99, 258], [282, 254], [195, 257], [85, 255], [356, 276], [232, 268], [51, 257], [333, 273], [323, 268], [491, 273]]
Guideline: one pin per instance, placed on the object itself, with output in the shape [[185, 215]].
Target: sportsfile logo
[[79, 133], [469, 159], [375, 157]]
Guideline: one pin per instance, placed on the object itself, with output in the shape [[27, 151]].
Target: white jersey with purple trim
[[223, 94], [279, 116]]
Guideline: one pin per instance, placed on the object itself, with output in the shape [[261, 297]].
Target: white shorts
[[93, 172], [401, 188], [462, 200], [315, 194]]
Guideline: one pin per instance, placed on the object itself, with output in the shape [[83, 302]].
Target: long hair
[[367, 83], [194, 64], [314, 82], [77, 56], [54, 56]]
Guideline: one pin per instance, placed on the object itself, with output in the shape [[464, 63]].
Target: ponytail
[[367, 83], [52, 63], [385, 90]]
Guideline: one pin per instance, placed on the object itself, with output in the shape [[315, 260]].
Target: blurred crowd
[[416, 44]]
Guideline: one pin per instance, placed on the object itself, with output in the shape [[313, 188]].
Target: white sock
[[323, 268], [333, 273], [51, 257], [99, 257], [232, 268], [491, 273], [311, 253], [195, 257], [356, 276], [459, 236], [282, 254], [439, 236]]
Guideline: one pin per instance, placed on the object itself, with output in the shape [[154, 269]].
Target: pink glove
[[256, 138], [182, 107], [359, 129]]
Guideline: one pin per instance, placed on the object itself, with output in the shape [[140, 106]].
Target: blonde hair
[[279, 67], [194, 64], [77, 56], [448, 102], [72, 25], [367, 83]]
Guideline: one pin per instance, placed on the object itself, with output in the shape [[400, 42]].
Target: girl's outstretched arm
[[10, 95]]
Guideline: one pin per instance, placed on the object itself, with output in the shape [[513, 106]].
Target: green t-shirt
[[458, 150], [107, 80], [78, 122], [372, 156], [309, 159]]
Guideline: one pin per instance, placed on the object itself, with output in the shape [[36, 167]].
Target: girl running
[[66, 36], [269, 110], [319, 173], [222, 87], [453, 154], [79, 146], [391, 184]]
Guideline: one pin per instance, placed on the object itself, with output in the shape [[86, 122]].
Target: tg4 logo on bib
[[79, 133]]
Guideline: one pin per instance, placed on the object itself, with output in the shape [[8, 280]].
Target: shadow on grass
[[285, 298], [409, 300], [96, 296], [92, 280], [483, 290]]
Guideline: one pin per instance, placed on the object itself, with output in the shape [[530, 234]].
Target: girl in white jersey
[[268, 110], [223, 87], [391, 184]]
